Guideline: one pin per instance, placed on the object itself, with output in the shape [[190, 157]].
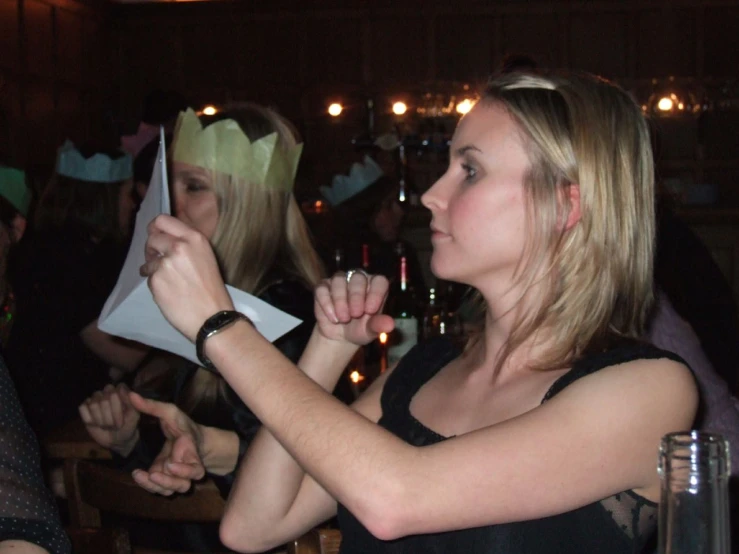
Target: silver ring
[[351, 272]]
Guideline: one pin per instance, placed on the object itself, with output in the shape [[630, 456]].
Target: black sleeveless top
[[619, 524]]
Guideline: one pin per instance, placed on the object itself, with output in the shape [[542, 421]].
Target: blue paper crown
[[99, 168], [360, 177]]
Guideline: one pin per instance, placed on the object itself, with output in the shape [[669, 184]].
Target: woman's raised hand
[[351, 309], [183, 273], [111, 419]]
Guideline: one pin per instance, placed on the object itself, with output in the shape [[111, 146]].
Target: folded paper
[[131, 312]]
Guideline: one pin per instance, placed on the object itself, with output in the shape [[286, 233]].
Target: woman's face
[[195, 200], [478, 206]]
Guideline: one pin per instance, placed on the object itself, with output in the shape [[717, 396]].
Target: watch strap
[[212, 326]]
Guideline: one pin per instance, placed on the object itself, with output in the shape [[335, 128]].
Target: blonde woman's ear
[[573, 192]]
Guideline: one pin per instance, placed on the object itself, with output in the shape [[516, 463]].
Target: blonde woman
[[242, 205], [541, 435]]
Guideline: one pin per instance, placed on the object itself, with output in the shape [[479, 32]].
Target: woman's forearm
[[303, 419], [219, 450], [269, 479]]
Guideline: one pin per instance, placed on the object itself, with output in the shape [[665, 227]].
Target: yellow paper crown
[[223, 146]]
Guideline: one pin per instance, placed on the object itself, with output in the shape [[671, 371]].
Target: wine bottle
[[694, 470], [403, 312]]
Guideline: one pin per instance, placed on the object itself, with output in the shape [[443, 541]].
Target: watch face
[[220, 319]]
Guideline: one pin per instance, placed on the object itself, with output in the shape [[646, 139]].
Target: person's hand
[[180, 461], [352, 311], [111, 420], [183, 275]]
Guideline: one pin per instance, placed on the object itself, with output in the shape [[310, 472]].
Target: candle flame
[[356, 377], [383, 338]]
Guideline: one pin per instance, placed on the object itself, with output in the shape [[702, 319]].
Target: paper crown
[[360, 177], [222, 146], [99, 168], [13, 188]]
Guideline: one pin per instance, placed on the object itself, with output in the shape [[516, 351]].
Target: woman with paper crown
[[232, 179], [541, 435], [367, 211], [63, 272]]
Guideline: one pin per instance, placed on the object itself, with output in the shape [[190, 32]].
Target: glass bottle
[[694, 469], [403, 311]]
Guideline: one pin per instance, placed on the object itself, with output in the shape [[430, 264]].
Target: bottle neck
[[403, 273], [694, 509]]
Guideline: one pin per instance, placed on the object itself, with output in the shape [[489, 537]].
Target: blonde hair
[[261, 236], [596, 277]]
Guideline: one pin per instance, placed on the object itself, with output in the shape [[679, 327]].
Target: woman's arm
[[125, 355], [28, 513], [596, 438], [273, 500]]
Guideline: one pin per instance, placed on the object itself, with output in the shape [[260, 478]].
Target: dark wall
[[298, 57], [80, 68], [55, 78]]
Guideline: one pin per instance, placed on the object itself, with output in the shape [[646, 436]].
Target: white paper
[[130, 310]]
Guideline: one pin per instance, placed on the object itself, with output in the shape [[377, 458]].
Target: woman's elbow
[[238, 537], [387, 516]]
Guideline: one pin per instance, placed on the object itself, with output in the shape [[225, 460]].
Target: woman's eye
[[470, 172], [194, 186]]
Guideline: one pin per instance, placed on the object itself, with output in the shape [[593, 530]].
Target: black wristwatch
[[213, 325]]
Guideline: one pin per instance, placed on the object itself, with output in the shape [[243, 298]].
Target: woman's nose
[[433, 198]]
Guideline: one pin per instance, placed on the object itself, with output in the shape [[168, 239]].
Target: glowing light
[[210, 110], [356, 377], [399, 108], [335, 109], [665, 104], [383, 338], [464, 106]]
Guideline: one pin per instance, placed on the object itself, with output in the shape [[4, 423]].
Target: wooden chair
[[320, 540], [99, 541], [93, 488]]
